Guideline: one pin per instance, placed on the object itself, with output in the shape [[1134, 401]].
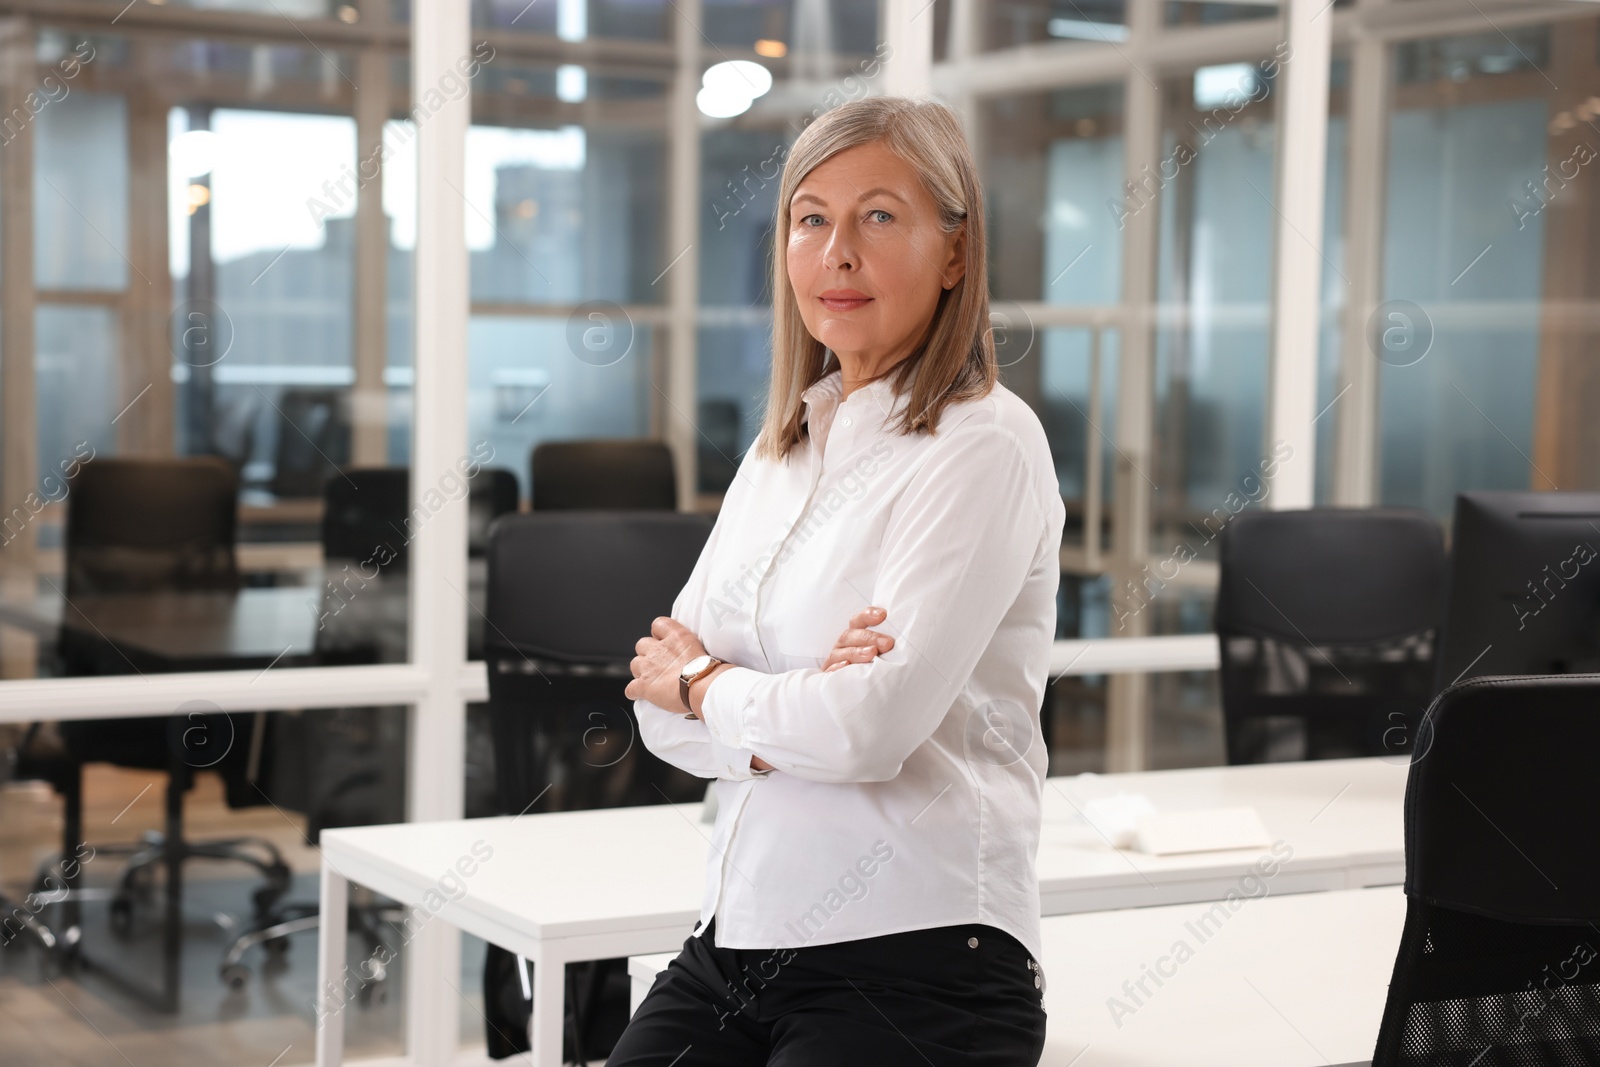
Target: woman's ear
[[955, 266]]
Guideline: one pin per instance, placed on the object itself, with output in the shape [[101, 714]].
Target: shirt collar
[[877, 395]]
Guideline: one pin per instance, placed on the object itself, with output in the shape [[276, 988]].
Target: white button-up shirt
[[905, 791]]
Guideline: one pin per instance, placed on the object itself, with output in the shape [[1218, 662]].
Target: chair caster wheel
[[236, 975]]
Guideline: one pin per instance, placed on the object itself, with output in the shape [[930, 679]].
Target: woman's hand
[[659, 660], [859, 644]]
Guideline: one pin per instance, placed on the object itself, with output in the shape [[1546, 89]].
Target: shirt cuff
[[727, 697], [734, 763]]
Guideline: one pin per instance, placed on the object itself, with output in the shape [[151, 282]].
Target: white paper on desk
[[1116, 817], [1214, 830]]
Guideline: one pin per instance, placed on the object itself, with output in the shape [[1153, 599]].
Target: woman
[[870, 891]]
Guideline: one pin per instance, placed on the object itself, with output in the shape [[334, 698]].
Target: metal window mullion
[[1127, 697], [369, 444], [1355, 456], [1302, 124], [18, 387], [681, 417]]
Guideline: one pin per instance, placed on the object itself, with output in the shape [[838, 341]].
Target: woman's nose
[[839, 253]]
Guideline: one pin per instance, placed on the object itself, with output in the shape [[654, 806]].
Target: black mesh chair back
[[152, 525], [604, 475], [569, 597], [570, 594], [1329, 618], [141, 526], [313, 440], [1499, 963], [364, 513]]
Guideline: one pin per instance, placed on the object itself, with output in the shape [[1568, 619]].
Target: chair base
[[272, 933]]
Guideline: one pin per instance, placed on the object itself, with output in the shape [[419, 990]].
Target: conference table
[[181, 631], [1232, 997], [564, 887], [249, 628]]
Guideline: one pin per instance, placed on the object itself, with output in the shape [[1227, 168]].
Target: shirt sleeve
[[957, 551], [681, 741]]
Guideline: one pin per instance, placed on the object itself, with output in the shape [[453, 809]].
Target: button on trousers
[[952, 995]]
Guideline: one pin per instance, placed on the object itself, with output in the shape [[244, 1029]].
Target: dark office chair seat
[[607, 475], [570, 594], [1328, 618], [1499, 962]]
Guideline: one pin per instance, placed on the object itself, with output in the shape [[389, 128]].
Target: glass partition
[[197, 262], [1489, 186]]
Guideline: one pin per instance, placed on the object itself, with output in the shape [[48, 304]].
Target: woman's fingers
[[865, 639], [867, 617]]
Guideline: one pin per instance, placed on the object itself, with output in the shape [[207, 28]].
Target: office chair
[[367, 527], [341, 767], [351, 761], [313, 440], [569, 596], [494, 493], [366, 534], [1499, 960], [1328, 617], [609, 475], [144, 526]]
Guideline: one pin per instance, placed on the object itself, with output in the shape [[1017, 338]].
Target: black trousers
[[953, 995]]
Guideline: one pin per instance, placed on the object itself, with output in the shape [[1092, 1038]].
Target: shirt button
[[845, 421], [1036, 982], [972, 942]]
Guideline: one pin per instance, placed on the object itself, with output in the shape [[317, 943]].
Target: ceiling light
[[729, 88]]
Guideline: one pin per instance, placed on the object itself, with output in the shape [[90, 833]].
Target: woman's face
[[867, 257]]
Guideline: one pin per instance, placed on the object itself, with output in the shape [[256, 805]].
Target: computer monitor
[[1524, 586]]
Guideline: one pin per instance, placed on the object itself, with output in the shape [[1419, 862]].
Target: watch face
[[695, 666]]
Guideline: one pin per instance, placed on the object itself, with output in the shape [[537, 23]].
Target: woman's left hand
[[660, 658]]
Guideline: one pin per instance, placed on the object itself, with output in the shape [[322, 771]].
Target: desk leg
[[547, 1022], [333, 914]]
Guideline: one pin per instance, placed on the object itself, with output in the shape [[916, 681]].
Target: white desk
[[573, 886], [1285, 981], [1343, 819]]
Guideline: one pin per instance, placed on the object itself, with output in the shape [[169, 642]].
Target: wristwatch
[[692, 672]]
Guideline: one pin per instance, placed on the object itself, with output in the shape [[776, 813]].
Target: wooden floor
[[83, 1020]]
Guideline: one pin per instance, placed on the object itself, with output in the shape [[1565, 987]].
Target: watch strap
[[685, 683]]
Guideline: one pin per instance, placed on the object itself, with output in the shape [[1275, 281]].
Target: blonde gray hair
[[955, 359]]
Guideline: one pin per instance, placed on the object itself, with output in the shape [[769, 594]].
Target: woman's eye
[[811, 220], [879, 215]]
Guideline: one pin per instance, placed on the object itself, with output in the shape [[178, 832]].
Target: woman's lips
[[843, 299]]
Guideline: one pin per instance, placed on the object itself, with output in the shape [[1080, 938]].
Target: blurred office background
[[210, 217]]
